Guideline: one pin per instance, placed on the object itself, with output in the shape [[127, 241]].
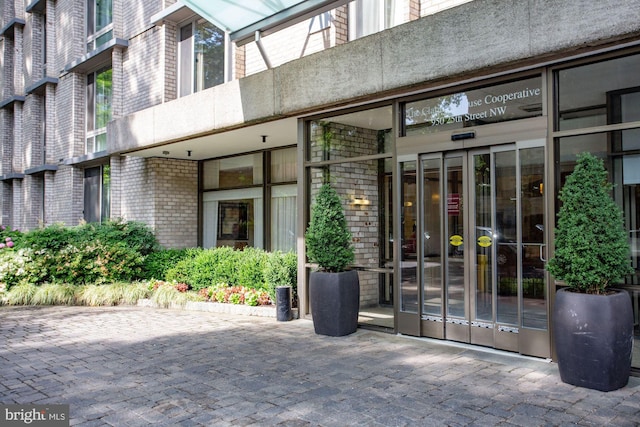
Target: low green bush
[[89, 253], [158, 263], [205, 267], [282, 270]]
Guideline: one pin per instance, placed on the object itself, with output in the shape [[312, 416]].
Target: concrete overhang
[[37, 6], [462, 44], [39, 87], [86, 159], [9, 29], [12, 175], [177, 12], [41, 169], [97, 58], [6, 103]]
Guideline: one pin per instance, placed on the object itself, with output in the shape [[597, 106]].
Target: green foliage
[[96, 262], [327, 238], [88, 253], [281, 270], [167, 295], [204, 267], [23, 266], [251, 266], [21, 294], [158, 263], [591, 244], [54, 294]]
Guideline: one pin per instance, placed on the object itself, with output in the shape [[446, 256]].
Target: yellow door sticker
[[455, 240], [484, 241]]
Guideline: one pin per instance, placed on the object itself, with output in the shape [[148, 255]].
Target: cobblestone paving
[[130, 366]]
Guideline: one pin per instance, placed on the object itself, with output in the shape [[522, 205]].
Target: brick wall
[[294, 42], [143, 57], [163, 193]]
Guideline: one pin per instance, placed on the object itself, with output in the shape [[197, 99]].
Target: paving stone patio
[[138, 366]]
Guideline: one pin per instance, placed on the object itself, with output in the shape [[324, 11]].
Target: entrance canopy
[[243, 18]]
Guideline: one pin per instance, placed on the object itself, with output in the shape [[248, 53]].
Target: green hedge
[[251, 267], [89, 253]]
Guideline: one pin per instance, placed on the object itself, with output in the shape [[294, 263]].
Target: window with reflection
[[597, 95], [201, 56], [99, 23]]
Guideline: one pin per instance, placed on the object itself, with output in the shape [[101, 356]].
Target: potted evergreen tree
[[592, 323], [334, 291]]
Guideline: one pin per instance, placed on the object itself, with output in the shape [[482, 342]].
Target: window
[[99, 23], [202, 56], [250, 200], [99, 94], [598, 111], [371, 16], [97, 193], [284, 211]]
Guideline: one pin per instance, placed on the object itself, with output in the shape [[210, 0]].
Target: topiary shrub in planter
[[334, 293], [592, 323]]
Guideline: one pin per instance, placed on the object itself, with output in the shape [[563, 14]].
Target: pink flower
[[8, 239], [2, 245], [9, 244]]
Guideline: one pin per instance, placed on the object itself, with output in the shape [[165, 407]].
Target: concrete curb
[[215, 307]]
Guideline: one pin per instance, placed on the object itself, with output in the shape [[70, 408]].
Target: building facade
[[448, 128]]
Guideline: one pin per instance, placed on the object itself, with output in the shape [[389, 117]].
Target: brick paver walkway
[[130, 366]]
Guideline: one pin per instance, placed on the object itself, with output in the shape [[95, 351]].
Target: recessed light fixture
[[264, 138]]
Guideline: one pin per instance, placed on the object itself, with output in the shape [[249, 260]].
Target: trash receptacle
[[283, 303]]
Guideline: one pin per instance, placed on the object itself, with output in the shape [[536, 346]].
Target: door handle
[[541, 254]]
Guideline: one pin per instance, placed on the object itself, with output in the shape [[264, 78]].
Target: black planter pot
[[334, 300], [593, 336]]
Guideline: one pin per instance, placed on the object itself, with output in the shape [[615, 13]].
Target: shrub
[[89, 253], [327, 238], [591, 243], [23, 266], [96, 262], [156, 264], [252, 264], [281, 270], [205, 267]]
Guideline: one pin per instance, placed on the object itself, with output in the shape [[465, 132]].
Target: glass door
[[481, 222]]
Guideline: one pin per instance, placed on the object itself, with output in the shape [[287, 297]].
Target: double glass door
[[479, 274]]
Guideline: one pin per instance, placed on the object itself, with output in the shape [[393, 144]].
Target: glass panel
[[506, 229], [432, 238], [408, 261], [583, 91], [100, 142], [233, 172], [454, 225], [492, 104], [103, 93], [283, 217], [485, 238], [106, 193], [92, 194], [104, 16], [623, 170], [356, 134], [357, 185], [534, 298], [102, 39], [208, 68], [233, 218], [283, 165], [186, 59]]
